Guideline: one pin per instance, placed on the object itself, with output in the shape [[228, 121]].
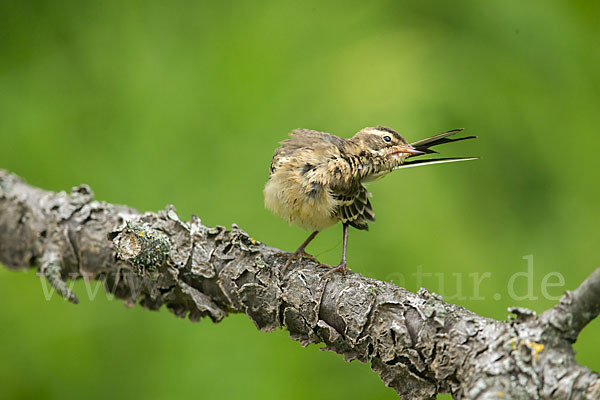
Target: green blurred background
[[183, 102]]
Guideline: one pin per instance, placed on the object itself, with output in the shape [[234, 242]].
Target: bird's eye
[[387, 139]]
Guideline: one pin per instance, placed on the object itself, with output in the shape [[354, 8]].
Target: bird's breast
[[308, 204]]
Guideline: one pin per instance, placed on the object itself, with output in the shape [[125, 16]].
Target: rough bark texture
[[418, 344]]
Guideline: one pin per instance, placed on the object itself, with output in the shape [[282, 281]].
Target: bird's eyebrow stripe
[[390, 130]]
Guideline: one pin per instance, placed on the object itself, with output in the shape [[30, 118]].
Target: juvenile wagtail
[[316, 178]]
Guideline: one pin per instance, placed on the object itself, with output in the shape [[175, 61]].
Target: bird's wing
[[418, 163], [305, 141], [425, 145], [315, 137], [355, 208]]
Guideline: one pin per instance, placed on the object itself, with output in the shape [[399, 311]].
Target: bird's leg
[[300, 253], [342, 266]]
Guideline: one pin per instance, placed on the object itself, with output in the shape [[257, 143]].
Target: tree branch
[[576, 309], [417, 343]]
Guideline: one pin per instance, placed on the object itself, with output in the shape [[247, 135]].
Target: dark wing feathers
[[355, 208]]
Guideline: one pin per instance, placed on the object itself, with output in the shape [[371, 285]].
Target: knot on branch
[[144, 247]]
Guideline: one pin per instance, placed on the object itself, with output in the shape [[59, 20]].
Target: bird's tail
[[424, 145]]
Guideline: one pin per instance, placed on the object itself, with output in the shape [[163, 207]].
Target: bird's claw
[[335, 268], [297, 255]]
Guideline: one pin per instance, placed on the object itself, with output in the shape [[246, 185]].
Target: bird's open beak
[[406, 149]]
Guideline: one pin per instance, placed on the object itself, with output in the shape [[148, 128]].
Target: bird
[[317, 179]]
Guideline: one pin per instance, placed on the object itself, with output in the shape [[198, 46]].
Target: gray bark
[[417, 343]]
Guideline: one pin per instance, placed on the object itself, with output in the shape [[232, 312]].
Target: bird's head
[[384, 143]]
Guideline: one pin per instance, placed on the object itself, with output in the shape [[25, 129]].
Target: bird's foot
[[297, 255], [335, 268]]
